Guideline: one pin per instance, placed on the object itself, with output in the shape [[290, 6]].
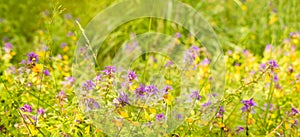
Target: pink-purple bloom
[[295, 111], [123, 99], [91, 104], [248, 104], [7, 47], [46, 72], [41, 111], [26, 108], [109, 70], [206, 104], [131, 76], [220, 112], [160, 117], [32, 57], [151, 89], [167, 89], [88, 85], [239, 129], [140, 91], [195, 95], [273, 64]]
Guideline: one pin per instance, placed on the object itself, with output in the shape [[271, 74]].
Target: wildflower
[[169, 63], [140, 91], [41, 111], [294, 111], [276, 78], [131, 76], [206, 104], [297, 77], [63, 45], [46, 72], [262, 66], [122, 100], [179, 116], [88, 85], [268, 48], [32, 57], [178, 35], [205, 62], [167, 89], [248, 104], [273, 64], [98, 77], [295, 124], [160, 117], [68, 81], [26, 108], [91, 104], [61, 95], [239, 129], [220, 112], [195, 95], [109, 70], [265, 106], [151, 89], [37, 68], [7, 47]]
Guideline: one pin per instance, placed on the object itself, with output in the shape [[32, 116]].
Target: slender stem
[[268, 104], [247, 126]]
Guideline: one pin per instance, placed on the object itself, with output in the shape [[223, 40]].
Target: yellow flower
[[37, 68]]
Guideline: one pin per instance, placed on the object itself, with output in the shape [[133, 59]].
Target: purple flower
[[206, 104], [169, 63], [32, 57], [297, 77], [178, 35], [167, 89], [194, 49], [88, 85], [41, 111], [70, 34], [123, 99], [91, 104], [7, 47], [46, 72], [140, 91], [61, 94], [276, 78], [179, 116], [262, 66], [248, 104], [63, 45], [131, 76], [294, 111], [273, 64], [268, 48], [68, 16], [220, 112], [265, 106], [160, 117], [151, 89], [109, 70], [195, 95], [98, 77], [295, 124], [26, 108], [239, 129], [205, 62]]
